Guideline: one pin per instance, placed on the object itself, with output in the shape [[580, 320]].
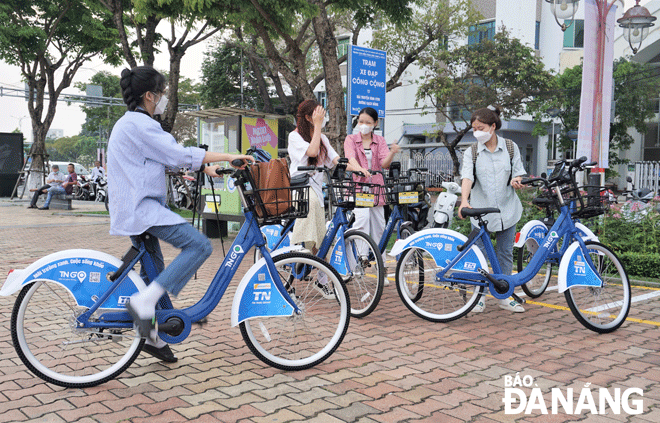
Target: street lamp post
[[635, 22]]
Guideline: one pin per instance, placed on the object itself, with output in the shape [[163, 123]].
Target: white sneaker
[[479, 308], [323, 287], [387, 281], [512, 305]]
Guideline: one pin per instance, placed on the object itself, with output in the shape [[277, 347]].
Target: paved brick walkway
[[391, 367]]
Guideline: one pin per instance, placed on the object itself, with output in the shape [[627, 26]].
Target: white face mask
[[482, 137], [160, 106], [365, 129]]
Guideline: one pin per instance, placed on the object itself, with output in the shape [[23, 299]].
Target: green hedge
[[641, 264]]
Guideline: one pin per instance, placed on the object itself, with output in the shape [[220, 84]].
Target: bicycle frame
[[396, 219], [248, 236], [563, 227]]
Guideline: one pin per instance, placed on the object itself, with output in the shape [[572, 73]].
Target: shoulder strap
[[474, 164], [509, 148]]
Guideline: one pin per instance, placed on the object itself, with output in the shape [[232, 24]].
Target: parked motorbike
[[443, 209], [644, 195]]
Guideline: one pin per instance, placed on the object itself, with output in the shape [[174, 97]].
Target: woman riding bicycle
[[369, 151], [308, 147], [497, 176], [139, 152]]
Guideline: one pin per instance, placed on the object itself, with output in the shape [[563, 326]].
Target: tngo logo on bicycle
[[234, 255], [81, 275]]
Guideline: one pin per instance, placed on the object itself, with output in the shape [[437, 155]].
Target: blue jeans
[[195, 249], [503, 249], [57, 190]]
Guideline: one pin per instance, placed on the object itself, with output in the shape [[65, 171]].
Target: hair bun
[[126, 73], [495, 109]]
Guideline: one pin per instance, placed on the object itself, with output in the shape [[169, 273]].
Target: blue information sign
[[366, 87]]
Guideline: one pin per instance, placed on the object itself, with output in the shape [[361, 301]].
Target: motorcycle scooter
[[443, 209]]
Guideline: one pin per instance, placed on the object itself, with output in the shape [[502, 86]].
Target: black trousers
[[37, 193]]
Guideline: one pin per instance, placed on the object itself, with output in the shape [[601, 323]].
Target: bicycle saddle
[[478, 212]]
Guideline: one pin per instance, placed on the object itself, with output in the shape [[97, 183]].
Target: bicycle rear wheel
[[45, 335], [367, 270], [428, 298], [603, 309], [302, 341], [539, 283]]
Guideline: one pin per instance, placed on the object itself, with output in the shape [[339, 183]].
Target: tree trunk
[[168, 118], [327, 43], [261, 84], [116, 8]]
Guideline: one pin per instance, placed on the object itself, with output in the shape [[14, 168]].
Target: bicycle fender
[[257, 296], [272, 233], [442, 244], [575, 271], [586, 233], [534, 229], [83, 272], [338, 258]]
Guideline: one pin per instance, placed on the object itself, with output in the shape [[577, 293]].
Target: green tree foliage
[[501, 71], [433, 26], [50, 40], [635, 88], [80, 149], [221, 79]]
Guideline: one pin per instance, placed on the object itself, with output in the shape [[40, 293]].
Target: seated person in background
[[65, 188], [55, 179]]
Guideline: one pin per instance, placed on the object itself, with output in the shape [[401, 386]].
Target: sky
[[70, 118]]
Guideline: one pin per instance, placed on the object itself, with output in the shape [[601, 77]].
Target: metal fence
[[437, 163], [647, 175]]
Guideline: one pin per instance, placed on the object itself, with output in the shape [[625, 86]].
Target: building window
[[537, 36], [574, 34], [322, 98], [342, 47], [483, 31]]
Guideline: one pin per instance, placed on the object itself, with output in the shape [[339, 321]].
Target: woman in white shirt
[[308, 147]]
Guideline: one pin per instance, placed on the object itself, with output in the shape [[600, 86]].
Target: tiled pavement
[[391, 367]]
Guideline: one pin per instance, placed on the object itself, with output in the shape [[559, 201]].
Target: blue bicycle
[[449, 272], [70, 327], [353, 253]]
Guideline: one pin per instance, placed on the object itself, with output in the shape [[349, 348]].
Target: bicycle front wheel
[[46, 337], [304, 340], [367, 271], [427, 297], [602, 309], [539, 283]]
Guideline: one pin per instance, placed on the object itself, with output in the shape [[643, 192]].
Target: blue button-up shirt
[[492, 188], [139, 152]]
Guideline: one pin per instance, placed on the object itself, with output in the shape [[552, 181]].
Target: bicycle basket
[[272, 205], [595, 203], [403, 192], [349, 194]]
